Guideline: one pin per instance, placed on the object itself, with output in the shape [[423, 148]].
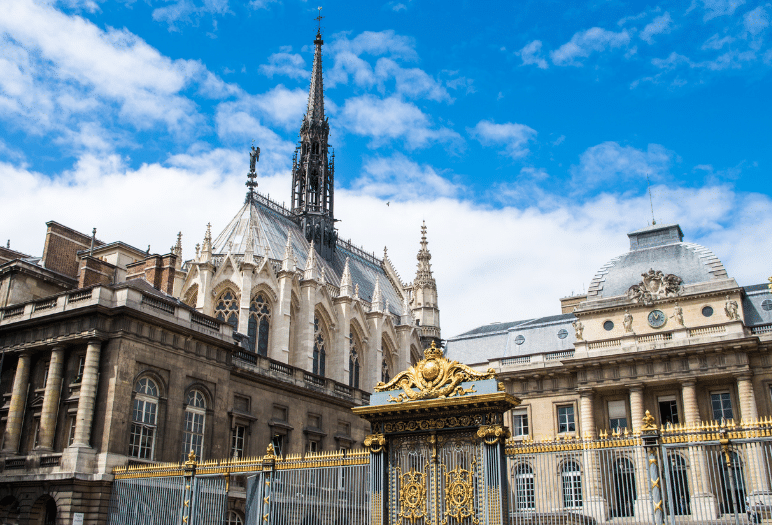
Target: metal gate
[[436, 477]]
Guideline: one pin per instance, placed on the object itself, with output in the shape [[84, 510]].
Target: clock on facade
[[657, 318]]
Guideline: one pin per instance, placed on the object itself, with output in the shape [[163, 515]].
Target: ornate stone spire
[[206, 247], [407, 313], [249, 252], [377, 303], [312, 270], [312, 170], [288, 261], [177, 250], [425, 308], [346, 288]]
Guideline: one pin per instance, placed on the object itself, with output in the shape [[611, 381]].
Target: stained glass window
[[319, 352], [259, 323], [227, 308]]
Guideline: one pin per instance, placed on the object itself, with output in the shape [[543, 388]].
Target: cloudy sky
[[521, 132]]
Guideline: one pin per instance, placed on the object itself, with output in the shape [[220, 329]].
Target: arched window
[[227, 308], [259, 322], [572, 485], [195, 419], [233, 518], [385, 375], [353, 362], [319, 353], [144, 419], [525, 497]]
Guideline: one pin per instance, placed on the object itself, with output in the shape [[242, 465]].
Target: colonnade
[[51, 400]]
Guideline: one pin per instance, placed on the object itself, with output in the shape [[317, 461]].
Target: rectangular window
[[194, 433], [278, 444], [142, 436], [81, 366], [313, 446], [617, 415], [722, 406], [668, 410], [237, 443], [71, 432], [520, 422], [566, 421]]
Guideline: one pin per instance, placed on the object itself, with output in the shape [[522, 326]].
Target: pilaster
[[51, 400]]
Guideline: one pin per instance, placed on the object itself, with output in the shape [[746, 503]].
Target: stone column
[[18, 403], [596, 505], [703, 502], [51, 396], [88, 389], [754, 452], [636, 407], [689, 396]]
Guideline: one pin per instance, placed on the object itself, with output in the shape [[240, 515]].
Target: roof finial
[[651, 201], [319, 21], [254, 156]]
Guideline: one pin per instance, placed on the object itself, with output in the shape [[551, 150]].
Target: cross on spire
[[319, 20]]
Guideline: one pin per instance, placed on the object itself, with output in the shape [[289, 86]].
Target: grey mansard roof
[[514, 339], [270, 224], [658, 247]]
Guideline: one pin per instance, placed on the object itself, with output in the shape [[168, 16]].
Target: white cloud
[[531, 54], [400, 179], [717, 43], [756, 20], [715, 8], [514, 137], [287, 64], [477, 250], [392, 119], [189, 12], [610, 162], [583, 43], [660, 25]]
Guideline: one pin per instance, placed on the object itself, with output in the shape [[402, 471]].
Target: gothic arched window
[[259, 322], [227, 308], [385, 376], [195, 419], [353, 362], [144, 419], [319, 352]]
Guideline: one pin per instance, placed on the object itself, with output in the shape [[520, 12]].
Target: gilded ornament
[[375, 442], [648, 422], [433, 377], [459, 495], [492, 434], [270, 453], [412, 496]]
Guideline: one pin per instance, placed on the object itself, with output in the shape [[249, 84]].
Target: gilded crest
[[655, 285], [433, 377]]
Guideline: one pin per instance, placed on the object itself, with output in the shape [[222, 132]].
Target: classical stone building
[[662, 328], [270, 334]]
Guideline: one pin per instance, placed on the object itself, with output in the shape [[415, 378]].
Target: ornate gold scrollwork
[[459, 495], [375, 442], [434, 424], [492, 434], [412, 496], [433, 377]]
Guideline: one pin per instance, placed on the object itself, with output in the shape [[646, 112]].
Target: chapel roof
[[270, 224]]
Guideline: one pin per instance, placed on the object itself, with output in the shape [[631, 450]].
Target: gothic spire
[[315, 111], [311, 271], [346, 288], [423, 275], [288, 262], [377, 304]]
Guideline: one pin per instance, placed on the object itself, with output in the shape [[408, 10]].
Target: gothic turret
[[312, 170], [425, 308]]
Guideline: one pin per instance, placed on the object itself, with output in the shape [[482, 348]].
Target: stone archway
[[44, 511]]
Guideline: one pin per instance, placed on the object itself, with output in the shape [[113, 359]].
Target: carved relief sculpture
[[578, 328], [628, 322], [655, 285], [433, 377], [731, 309], [678, 314]]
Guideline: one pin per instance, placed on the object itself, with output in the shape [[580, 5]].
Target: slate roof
[[755, 309], [518, 338], [270, 224]]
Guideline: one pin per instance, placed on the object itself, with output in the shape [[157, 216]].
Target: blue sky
[[522, 132]]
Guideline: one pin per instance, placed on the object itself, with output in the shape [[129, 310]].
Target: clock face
[[657, 318]]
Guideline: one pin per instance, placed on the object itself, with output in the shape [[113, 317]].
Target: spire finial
[[377, 304], [319, 21], [254, 157], [651, 201], [346, 288]]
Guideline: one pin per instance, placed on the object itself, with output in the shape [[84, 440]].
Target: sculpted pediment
[[655, 285]]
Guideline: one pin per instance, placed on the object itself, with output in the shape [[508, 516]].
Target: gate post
[[187, 501], [494, 467], [650, 438], [376, 443], [265, 480]]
